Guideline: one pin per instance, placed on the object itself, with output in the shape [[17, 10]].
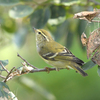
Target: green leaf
[[8, 2], [57, 11], [98, 71], [11, 27], [56, 21], [81, 27], [70, 3], [62, 30], [20, 11], [5, 93], [88, 65], [4, 62], [20, 36], [26, 1], [40, 17], [20, 69], [69, 40]]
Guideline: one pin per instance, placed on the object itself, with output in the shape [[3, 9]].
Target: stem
[[46, 69], [2, 76], [26, 61], [8, 75], [4, 67]]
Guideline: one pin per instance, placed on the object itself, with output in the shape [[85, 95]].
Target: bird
[[56, 54]]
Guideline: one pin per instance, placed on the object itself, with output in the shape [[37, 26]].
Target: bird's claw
[[47, 69], [67, 68]]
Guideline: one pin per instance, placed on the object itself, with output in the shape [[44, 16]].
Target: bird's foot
[[47, 69], [57, 69], [68, 68], [76, 71]]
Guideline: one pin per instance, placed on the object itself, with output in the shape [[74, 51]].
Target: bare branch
[[2, 76], [4, 67], [25, 69], [26, 62], [6, 79], [46, 69]]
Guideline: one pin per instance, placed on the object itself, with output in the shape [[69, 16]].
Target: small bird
[[55, 54]]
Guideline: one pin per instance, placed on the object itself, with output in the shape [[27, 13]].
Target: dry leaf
[[96, 56], [93, 42], [84, 39], [87, 15]]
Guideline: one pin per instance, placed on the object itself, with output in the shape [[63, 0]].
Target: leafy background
[[17, 17]]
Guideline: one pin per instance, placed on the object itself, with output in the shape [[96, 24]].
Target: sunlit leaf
[[40, 17], [8, 2], [9, 25], [88, 65], [20, 11], [98, 71], [57, 11], [56, 21], [5, 93], [4, 62], [70, 3]]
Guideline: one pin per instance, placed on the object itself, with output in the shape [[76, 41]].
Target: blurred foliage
[[5, 93], [40, 17], [17, 17], [20, 11]]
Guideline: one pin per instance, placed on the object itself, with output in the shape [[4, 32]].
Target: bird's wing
[[69, 56], [62, 54]]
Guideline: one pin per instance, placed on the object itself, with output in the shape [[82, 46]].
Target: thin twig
[[26, 61], [9, 78], [8, 75], [2, 76], [44, 70], [4, 67]]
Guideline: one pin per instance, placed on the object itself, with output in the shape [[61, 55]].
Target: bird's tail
[[80, 70], [77, 64]]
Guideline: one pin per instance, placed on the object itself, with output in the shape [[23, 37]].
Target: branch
[[2, 76], [26, 61], [4, 67], [24, 69], [46, 69], [7, 77]]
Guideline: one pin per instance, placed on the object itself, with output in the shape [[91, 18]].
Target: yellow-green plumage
[[55, 54]]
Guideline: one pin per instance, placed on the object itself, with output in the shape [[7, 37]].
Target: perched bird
[[55, 54]]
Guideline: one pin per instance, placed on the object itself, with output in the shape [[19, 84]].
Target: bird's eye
[[39, 32]]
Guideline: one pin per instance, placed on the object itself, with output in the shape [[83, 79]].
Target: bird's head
[[42, 35]]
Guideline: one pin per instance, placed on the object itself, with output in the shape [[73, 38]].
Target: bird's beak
[[35, 29]]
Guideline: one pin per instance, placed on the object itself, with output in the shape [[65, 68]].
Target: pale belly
[[59, 64]]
